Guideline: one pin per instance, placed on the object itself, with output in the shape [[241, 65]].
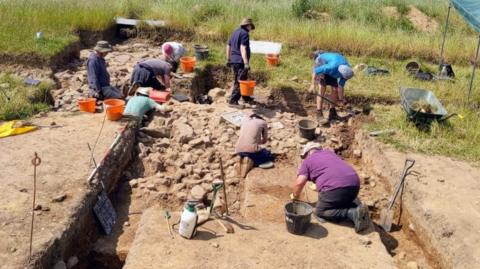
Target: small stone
[[126, 224], [151, 187], [60, 265], [142, 180], [195, 142], [13, 249], [373, 184], [72, 262], [198, 193], [182, 196], [402, 255], [412, 265], [38, 207], [303, 141], [294, 79], [133, 183], [441, 180], [364, 240], [335, 140], [215, 245], [357, 153], [59, 198]]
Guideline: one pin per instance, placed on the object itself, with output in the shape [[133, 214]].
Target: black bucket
[[201, 52], [297, 217], [307, 128]]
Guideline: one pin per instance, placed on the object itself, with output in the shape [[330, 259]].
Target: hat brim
[[103, 49], [245, 24]]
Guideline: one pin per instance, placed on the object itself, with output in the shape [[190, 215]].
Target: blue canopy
[[470, 10]]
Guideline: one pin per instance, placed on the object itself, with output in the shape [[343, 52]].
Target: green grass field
[[360, 29]]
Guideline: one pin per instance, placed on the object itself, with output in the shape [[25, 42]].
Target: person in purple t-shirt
[[238, 57], [337, 184]]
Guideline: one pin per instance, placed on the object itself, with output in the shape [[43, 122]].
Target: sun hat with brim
[[103, 46], [309, 146], [346, 71], [144, 91], [247, 21]]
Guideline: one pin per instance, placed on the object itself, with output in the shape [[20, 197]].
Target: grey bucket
[[201, 51], [297, 217], [307, 128]]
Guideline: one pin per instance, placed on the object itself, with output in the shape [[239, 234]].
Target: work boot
[[360, 218], [332, 114], [247, 165]]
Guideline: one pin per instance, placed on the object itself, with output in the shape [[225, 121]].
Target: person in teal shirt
[[140, 104]]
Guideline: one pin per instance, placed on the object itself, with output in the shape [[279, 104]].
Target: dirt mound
[[421, 21]]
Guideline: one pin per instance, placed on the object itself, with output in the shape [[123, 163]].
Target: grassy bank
[[18, 101], [360, 28]]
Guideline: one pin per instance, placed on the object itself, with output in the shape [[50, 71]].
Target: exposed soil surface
[[62, 175], [421, 21]]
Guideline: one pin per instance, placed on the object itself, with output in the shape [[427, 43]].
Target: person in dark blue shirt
[[238, 58], [97, 74]]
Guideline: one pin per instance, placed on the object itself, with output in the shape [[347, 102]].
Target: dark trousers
[[259, 157], [239, 73], [333, 205], [145, 77]]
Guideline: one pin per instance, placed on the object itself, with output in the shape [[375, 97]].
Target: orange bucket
[[272, 59], [114, 108], [246, 87], [187, 64], [87, 104]]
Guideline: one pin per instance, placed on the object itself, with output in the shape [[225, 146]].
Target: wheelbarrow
[[410, 97]]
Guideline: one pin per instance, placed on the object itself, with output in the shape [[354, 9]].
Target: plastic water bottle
[[188, 221]]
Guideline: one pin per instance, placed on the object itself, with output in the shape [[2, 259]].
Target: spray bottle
[[188, 220]]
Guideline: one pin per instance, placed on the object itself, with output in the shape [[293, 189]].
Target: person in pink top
[[337, 184], [253, 133]]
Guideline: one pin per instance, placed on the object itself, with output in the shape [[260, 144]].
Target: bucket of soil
[[187, 64], [87, 104], [114, 109], [272, 59], [297, 217], [307, 128], [201, 52]]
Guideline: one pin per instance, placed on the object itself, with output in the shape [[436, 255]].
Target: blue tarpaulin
[[470, 10]]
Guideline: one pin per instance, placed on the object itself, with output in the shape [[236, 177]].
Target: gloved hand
[[247, 67]]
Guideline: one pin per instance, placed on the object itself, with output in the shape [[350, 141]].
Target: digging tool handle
[[408, 165], [224, 186]]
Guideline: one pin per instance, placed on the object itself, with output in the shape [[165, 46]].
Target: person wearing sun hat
[[173, 51], [97, 73], [238, 58], [141, 104], [337, 184]]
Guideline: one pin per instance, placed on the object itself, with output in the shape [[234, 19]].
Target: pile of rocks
[[181, 152], [73, 82]]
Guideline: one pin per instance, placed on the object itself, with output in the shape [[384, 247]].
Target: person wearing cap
[[238, 58], [140, 105], [97, 74], [332, 69], [337, 184], [145, 74], [253, 133], [173, 51]]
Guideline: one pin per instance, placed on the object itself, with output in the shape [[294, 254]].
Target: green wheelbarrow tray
[[408, 97]]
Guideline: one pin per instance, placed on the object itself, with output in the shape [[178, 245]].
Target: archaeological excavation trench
[[156, 168]]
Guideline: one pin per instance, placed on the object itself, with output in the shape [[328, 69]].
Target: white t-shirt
[[178, 50]]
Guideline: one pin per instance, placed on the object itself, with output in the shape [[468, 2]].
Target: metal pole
[[35, 162], [473, 71], [445, 33]]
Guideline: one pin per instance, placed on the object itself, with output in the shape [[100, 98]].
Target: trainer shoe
[[266, 165], [235, 105]]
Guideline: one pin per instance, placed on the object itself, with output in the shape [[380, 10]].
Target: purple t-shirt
[[328, 171]]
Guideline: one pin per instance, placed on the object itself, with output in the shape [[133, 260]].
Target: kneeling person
[[337, 184], [253, 133], [145, 74], [140, 105]]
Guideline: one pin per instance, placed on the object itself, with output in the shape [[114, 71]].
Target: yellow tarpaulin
[[9, 129]]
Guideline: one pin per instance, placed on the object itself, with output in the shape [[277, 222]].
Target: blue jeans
[[258, 157]]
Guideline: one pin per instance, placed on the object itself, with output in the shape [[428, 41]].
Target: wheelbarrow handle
[[451, 115]]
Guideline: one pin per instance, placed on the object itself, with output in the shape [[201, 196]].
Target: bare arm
[[298, 185], [228, 53], [243, 51], [166, 81]]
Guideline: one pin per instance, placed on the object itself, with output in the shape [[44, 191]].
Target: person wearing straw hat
[[145, 74], [97, 74], [253, 133], [141, 104], [238, 58], [173, 51], [332, 69], [337, 184]]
